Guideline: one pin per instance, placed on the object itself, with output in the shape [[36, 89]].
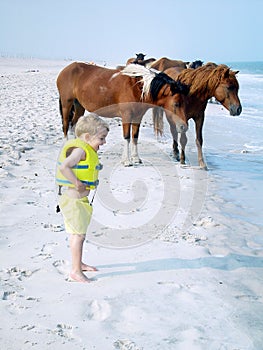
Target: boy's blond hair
[[90, 124]]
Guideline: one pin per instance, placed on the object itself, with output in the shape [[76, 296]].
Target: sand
[[180, 264]]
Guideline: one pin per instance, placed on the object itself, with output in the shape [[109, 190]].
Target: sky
[[111, 31]]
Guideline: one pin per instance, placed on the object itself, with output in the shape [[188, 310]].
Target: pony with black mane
[[127, 94], [195, 64], [210, 80], [138, 59]]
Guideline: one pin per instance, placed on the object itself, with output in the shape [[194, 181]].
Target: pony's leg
[[126, 153], [78, 112], [183, 142], [175, 138], [199, 142], [126, 160], [134, 146]]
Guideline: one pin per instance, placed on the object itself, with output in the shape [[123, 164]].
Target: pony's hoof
[[127, 163], [203, 167], [136, 161], [176, 156]]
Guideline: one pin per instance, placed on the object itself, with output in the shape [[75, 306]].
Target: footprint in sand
[[17, 273], [62, 266], [207, 222], [126, 344], [46, 251], [53, 227], [98, 310], [17, 303], [63, 330], [9, 295]]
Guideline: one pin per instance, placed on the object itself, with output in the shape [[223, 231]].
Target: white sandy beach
[[179, 250]]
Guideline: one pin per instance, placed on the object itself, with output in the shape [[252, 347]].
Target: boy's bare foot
[[88, 268], [78, 277]]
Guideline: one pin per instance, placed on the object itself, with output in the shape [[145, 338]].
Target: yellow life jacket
[[86, 170]]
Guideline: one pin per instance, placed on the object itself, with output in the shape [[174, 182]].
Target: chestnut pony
[[127, 94], [163, 63], [208, 81]]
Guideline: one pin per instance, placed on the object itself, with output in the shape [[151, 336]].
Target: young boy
[[77, 170]]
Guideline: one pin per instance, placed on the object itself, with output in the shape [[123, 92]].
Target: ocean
[[238, 163], [247, 67]]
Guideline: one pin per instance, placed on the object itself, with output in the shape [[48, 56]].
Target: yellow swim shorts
[[76, 214]]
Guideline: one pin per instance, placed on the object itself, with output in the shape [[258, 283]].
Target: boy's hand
[[80, 186]]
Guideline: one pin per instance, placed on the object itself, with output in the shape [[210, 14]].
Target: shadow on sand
[[227, 263]]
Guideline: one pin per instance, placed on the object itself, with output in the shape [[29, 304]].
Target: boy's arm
[[66, 168]]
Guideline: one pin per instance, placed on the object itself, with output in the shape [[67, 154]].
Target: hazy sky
[[114, 30]]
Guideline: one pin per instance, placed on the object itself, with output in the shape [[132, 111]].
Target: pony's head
[[171, 95], [212, 80], [195, 64], [139, 57], [226, 91]]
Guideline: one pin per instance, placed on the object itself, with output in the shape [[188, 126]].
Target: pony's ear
[[236, 71]]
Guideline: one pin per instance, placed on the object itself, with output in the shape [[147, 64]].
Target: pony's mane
[[161, 79], [153, 80], [207, 76], [147, 75]]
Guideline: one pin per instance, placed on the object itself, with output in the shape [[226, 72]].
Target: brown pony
[[208, 81], [163, 63], [126, 94]]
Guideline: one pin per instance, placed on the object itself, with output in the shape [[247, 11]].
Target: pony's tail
[[60, 111], [60, 106], [71, 113], [158, 121]]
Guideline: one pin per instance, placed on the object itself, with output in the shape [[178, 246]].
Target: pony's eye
[[231, 88], [177, 104]]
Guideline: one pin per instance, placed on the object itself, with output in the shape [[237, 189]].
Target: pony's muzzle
[[235, 110]]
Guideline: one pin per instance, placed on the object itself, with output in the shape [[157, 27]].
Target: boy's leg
[[76, 247]]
